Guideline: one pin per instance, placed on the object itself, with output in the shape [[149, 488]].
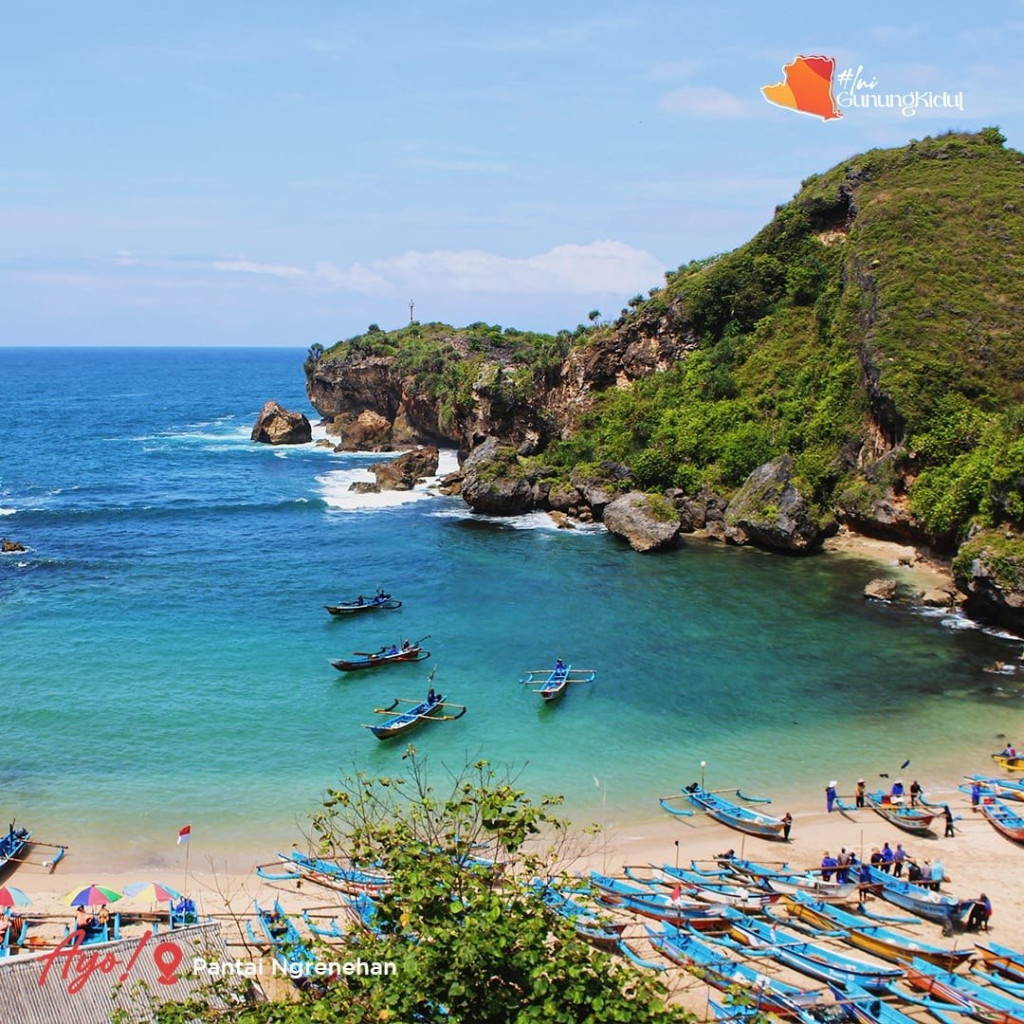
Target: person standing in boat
[[431, 696], [559, 665], [896, 793]]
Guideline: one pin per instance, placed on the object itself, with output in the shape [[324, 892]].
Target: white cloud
[[704, 101], [599, 267]]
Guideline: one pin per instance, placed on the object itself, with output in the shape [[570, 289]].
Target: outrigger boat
[[1005, 789], [660, 906], [13, 844], [327, 873], [1003, 819], [1007, 962], [987, 1004], [554, 681], [927, 903], [743, 819], [387, 655], [709, 890], [785, 880], [867, 1008], [910, 819], [289, 948], [1011, 764], [429, 710], [872, 938], [379, 601]]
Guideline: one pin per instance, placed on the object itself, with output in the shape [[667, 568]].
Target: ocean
[[166, 654]]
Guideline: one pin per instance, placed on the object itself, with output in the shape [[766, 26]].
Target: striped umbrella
[[91, 896], [151, 892], [10, 896]]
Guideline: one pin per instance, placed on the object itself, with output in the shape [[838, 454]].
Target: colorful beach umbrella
[[151, 892], [10, 896], [91, 896]]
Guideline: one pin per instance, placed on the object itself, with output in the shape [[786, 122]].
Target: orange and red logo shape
[[807, 87]]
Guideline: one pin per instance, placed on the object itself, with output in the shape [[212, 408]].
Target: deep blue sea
[[166, 655]]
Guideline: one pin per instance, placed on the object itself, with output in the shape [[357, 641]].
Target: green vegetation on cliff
[[878, 314]]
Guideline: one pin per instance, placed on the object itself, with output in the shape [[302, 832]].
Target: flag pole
[[188, 850]]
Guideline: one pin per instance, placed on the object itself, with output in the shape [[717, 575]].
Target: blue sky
[[271, 174]]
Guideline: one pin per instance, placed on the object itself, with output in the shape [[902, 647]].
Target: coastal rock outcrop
[[494, 483], [277, 425], [881, 590], [402, 474], [770, 512], [647, 521], [10, 547], [989, 569], [366, 432]]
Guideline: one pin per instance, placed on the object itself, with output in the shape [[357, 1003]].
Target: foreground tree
[[470, 941]]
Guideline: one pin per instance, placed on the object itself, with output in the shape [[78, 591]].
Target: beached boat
[[876, 939], [783, 879], [987, 1004], [13, 844], [289, 948], [596, 929], [743, 819], [1011, 764], [710, 889], [1005, 789], [927, 903], [1002, 818], [1008, 962], [555, 681], [380, 601], [866, 1008], [765, 992], [660, 906], [387, 655], [902, 815], [327, 873], [792, 950], [399, 722]]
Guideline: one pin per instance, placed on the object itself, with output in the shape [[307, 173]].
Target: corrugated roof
[[105, 977]]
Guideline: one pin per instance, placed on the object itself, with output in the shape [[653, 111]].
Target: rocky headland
[[857, 364]]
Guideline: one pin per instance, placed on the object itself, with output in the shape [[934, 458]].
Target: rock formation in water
[[276, 425]]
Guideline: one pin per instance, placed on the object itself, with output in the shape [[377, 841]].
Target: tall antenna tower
[[412, 306]]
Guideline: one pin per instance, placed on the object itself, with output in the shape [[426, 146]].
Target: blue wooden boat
[[867, 1008], [795, 951], [712, 890], [379, 601], [926, 903], [784, 880], [911, 819], [596, 929], [743, 819], [660, 906], [13, 844], [986, 1004], [872, 938], [328, 873], [1002, 818], [286, 943], [1008, 962], [555, 681], [429, 710], [387, 655], [1007, 789], [767, 993]]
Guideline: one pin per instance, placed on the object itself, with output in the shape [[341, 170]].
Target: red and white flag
[[185, 834]]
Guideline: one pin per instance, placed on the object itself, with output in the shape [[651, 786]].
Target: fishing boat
[[13, 844], [792, 950], [876, 939], [1005, 789], [784, 880], [1002, 818], [1008, 962], [743, 819], [987, 1004], [767, 993], [399, 722], [866, 1008], [660, 906], [910, 819], [327, 873], [387, 655], [1011, 764], [380, 601], [926, 903], [289, 948], [709, 890], [596, 929], [555, 681]]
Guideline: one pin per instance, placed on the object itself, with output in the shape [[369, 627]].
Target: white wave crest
[[335, 486], [7, 511], [529, 521]]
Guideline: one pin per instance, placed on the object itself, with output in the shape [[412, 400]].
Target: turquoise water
[[165, 653]]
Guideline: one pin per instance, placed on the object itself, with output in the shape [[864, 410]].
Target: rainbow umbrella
[[10, 896], [91, 896], [151, 892]]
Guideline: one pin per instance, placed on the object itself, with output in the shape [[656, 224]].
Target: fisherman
[[843, 863], [559, 664], [861, 789], [787, 824], [360, 600], [948, 815], [975, 794], [1008, 750], [896, 793], [887, 858], [406, 645], [916, 793], [830, 795], [431, 696], [980, 913], [827, 864], [899, 855]]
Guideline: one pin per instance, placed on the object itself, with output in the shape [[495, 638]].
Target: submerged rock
[[402, 474], [9, 547], [647, 521], [277, 425]]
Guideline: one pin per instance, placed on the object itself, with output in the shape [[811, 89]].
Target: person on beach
[[948, 815], [827, 864], [896, 793], [938, 874], [861, 790], [899, 855], [916, 793], [887, 858], [865, 880], [913, 871], [843, 864], [975, 794], [830, 796], [926, 874], [787, 824], [876, 858], [83, 919], [980, 913]]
